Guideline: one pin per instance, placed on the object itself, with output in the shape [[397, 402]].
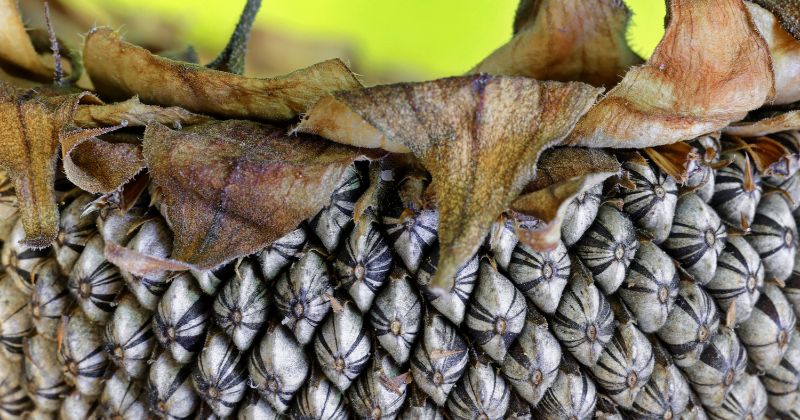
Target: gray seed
[[691, 325], [651, 204], [583, 321], [735, 199], [40, 414], [74, 231], [774, 236], [572, 395], [281, 253], [302, 295], [46, 384], [792, 288], [518, 409], [702, 181], [21, 262], [502, 241], [789, 184], [532, 362], [129, 337], [697, 238], [694, 410], [381, 391], [481, 393], [15, 322], [420, 406], [182, 318], [450, 303], [50, 300], [170, 391], [782, 382], [14, 401], [396, 316], [439, 359], [497, 313], [739, 278], [95, 282], [364, 261], [665, 395], [580, 213], [330, 223], [220, 375], [410, 229], [650, 288], [78, 407], [746, 400], [541, 276], [608, 247], [342, 346], [256, 408], [123, 399], [83, 354], [767, 332], [153, 238], [278, 367], [240, 309], [211, 280], [116, 226], [721, 364], [319, 399]]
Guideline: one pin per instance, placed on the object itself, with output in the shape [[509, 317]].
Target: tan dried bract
[[562, 174], [16, 47], [709, 70], [566, 40], [102, 166], [787, 11], [478, 136], [120, 70], [785, 51], [783, 121], [231, 188], [141, 264], [134, 113]]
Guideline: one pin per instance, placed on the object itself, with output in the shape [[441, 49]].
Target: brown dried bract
[[787, 11], [120, 70], [231, 188], [16, 47], [102, 166], [785, 51], [134, 113], [784, 121], [141, 264], [563, 173], [566, 40], [478, 136], [709, 70]]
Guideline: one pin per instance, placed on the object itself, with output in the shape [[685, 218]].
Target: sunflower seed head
[[746, 400], [665, 395], [301, 295], [650, 288], [256, 408], [342, 345], [74, 231], [181, 318], [608, 247], [281, 253], [95, 282], [766, 334], [123, 398], [380, 392], [450, 303], [625, 365], [240, 308], [363, 263], [580, 213], [50, 300], [319, 399], [220, 374], [482, 391], [439, 359], [169, 388], [572, 395], [78, 407], [278, 367], [396, 316], [651, 203], [783, 380], [541, 276], [15, 321], [583, 321], [697, 238], [334, 220], [21, 262], [43, 374], [774, 236], [691, 325], [129, 337], [82, 353], [739, 279], [152, 238], [720, 365]]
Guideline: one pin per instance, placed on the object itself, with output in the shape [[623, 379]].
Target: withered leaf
[[785, 51], [33, 127], [478, 136], [787, 11], [134, 113], [15, 45], [100, 166], [785, 121], [562, 174], [120, 70], [232, 187], [141, 264], [709, 70], [566, 40]]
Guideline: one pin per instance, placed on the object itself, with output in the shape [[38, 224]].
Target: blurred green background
[[383, 40]]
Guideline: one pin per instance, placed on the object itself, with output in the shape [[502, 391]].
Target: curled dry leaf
[[478, 136], [15, 44], [34, 124], [562, 174], [120, 70], [233, 187], [134, 113], [102, 166], [785, 52], [787, 11], [709, 70], [566, 40], [783, 121]]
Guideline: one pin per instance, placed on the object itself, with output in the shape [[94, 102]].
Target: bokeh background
[[383, 41]]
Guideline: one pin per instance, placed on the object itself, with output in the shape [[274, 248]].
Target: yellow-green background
[[434, 38]]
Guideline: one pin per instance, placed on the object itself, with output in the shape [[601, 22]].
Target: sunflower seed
[[746, 400], [342, 346], [580, 214], [439, 359], [364, 262], [410, 229], [572, 395], [319, 399], [256, 408], [739, 278], [129, 337], [691, 325], [774, 236], [420, 406], [737, 190], [220, 375], [182, 318], [330, 223], [50, 300], [301, 294], [650, 287], [608, 247], [123, 399], [450, 303], [15, 324], [20, 261], [82, 353], [720, 365], [540, 275], [95, 282], [211, 280], [74, 231], [78, 407], [782, 382], [281, 253], [240, 309], [46, 384], [170, 391], [651, 203], [480, 393], [767, 332], [665, 395], [396, 316], [381, 391], [697, 238], [278, 367], [153, 238]]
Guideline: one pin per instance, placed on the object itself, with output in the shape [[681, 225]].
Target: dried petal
[[233, 187], [120, 70], [575, 40], [16, 47], [479, 137], [709, 70]]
